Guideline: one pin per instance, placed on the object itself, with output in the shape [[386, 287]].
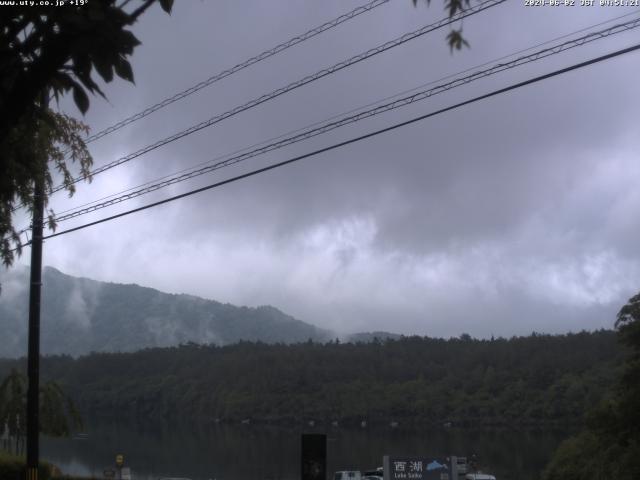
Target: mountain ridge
[[82, 315]]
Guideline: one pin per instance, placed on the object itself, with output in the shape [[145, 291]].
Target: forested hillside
[[539, 379], [609, 444]]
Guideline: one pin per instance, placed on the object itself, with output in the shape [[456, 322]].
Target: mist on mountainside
[[80, 316]]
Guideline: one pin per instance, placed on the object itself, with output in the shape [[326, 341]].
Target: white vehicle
[[348, 475], [378, 471], [373, 474], [479, 476]]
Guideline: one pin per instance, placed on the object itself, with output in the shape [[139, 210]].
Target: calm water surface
[[250, 452]]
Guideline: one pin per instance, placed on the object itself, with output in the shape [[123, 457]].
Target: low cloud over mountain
[[80, 315]]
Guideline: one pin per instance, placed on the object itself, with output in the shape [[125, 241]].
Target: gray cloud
[[508, 216]]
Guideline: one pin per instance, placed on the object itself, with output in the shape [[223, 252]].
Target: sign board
[[415, 468], [119, 460]]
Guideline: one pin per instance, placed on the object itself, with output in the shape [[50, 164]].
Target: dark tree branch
[[133, 16]]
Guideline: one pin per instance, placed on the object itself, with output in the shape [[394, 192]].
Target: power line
[[248, 105], [241, 66], [356, 139], [353, 110], [419, 96], [472, 10], [339, 66], [604, 33]]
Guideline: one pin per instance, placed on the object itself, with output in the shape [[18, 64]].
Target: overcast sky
[[512, 215]]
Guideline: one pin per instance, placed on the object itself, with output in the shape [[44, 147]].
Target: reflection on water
[[248, 452]]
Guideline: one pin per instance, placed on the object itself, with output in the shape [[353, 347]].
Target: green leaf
[[455, 40], [166, 5], [65, 81], [455, 6], [51, 221], [88, 82], [127, 41], [82, 65], [81, 99], [104, 68], [123, 70]]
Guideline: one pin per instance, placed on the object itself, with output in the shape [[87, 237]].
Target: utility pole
[[33, 356]]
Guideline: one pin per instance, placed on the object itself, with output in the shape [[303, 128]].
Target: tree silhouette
[[58, 415]]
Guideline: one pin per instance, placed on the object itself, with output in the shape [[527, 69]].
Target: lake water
[[248, 452]]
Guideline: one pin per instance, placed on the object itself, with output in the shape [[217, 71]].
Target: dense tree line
[[523, 380], [609, 445]]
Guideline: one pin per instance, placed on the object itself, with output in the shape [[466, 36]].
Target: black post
[[313, 461], [33, 358]]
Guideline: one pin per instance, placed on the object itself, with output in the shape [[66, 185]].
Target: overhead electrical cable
[[469, 11], [226, 156], [415, 97], [241, 66], [342, 114], [494, 93], [606, 32], [226, 73]]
